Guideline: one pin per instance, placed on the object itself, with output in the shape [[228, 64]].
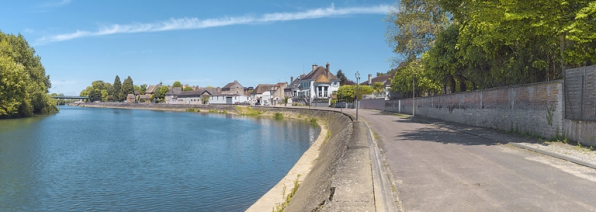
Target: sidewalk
[[568, 152]]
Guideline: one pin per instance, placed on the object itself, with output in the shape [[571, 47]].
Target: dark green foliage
[[487, 44], [127, 88], [116, 87], [342, 77], [23, 82], [278, 116]]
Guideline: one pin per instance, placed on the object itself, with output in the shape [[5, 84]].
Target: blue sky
[[199, 42]]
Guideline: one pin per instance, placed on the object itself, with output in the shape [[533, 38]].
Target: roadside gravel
[[572, 151]]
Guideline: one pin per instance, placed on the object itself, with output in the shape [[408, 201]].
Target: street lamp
[[357, 89]]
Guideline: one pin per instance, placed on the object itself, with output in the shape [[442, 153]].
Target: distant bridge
[[70, 97]]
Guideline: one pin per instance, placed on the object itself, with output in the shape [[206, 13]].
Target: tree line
[[24, 84], [118, 91], [460, 45]]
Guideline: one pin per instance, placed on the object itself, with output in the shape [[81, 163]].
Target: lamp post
[[357, 89]]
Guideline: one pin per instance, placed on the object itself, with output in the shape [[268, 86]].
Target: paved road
[[436, 169]]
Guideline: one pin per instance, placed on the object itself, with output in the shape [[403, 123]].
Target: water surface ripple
[[101, 159]]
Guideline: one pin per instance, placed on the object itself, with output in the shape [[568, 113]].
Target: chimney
[[314, 66], [369, 79], [327, 70], [291, 80]]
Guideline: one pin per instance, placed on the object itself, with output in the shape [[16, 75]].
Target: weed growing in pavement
[[279, 207]]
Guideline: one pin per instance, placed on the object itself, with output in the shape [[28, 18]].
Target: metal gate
[[580, 93]]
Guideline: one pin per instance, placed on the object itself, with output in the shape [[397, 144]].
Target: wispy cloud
[[57, 4], [195, 23]]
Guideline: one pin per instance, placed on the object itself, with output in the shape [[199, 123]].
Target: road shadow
[[456, 133]]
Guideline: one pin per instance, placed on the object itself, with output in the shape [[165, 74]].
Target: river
[[102, 159]]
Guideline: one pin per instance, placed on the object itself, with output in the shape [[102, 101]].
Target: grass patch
[[248, 111], [313, 122], [278, 116], [327, 136], [374, 134], [279, 207], [194, 110]]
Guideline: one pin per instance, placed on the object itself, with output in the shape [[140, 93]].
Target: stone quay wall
[[315, 189]]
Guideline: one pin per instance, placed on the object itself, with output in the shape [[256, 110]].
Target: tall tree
[[19, 65], [116, 87], [342, 77], [143, 89], [127, 88], [415, 24]]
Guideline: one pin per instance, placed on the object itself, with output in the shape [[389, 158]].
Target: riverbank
[[338, 178]]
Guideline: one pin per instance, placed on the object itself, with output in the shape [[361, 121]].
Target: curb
[[384, 200], [555, 155]]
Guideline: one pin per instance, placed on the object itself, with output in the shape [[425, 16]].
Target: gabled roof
[[314, 75], [151, 89], [174, 91], [130, 96], [382, 79], [234, 84], [322, 79], [261, 88], [197, 93]]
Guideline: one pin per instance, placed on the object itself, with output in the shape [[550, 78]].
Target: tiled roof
[[151, 89], [196, 93], [174, 91], [231, 84], [322, 79], [382, 79], [261, 88], [314, 75]]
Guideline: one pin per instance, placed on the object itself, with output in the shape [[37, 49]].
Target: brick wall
[[535, 108]]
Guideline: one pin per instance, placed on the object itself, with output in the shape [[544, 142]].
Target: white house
[[316, 86], [192, 97], [229, 99]]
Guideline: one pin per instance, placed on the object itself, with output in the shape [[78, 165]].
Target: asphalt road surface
[[437, 169]]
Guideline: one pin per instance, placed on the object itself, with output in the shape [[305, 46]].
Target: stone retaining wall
[[536, 108]]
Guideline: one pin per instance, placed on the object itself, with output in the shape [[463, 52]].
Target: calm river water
[[100, 159]]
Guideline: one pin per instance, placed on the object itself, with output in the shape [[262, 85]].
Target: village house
[[194, 97], [385, 80], [261, 95], [172, 95], [316, 86]]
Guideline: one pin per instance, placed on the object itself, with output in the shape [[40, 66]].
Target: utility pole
[[357, 90], [413, 95]]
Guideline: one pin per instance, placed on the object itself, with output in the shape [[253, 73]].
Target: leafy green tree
[[415, 24], [378, 87], [342, 77], [104, 95], [348, 92], [23, 82], [177, 84], [161, 93], [137, 88], [116, 87], [95, 95], [187, 89], [127, 88], [403, 79], [143, 89]]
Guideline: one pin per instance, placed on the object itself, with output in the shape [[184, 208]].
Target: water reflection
[[114, 159]]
